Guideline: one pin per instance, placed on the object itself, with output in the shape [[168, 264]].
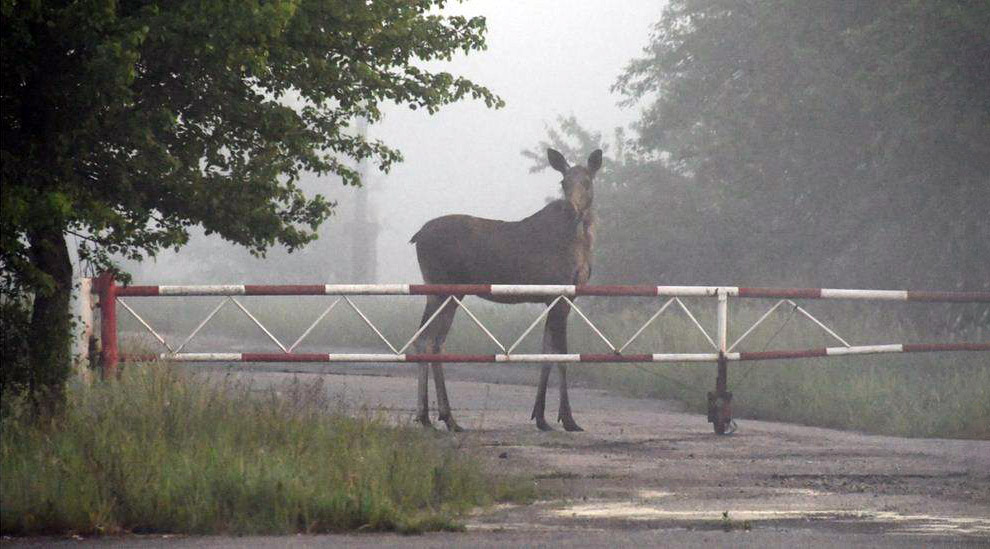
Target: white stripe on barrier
[[864, 350], [538, 358], [542, 289], [885, 295]]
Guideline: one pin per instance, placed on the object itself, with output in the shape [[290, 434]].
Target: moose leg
[[443, 323], [541, 398], [424, 344], [549, 347], [564, 413], [422, 396], [557, 327]]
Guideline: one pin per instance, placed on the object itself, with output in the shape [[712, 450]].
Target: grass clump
[[165, 451], [901, 396]]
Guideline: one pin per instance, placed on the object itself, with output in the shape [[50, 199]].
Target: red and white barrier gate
[[722, 352]]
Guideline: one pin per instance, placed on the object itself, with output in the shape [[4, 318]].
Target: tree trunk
[[50, 339]]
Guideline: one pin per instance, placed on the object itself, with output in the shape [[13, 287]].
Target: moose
[[552, 246]]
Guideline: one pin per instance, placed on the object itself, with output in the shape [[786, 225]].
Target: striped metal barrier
[[722, 352]]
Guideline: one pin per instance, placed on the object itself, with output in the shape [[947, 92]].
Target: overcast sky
[[545, 59]]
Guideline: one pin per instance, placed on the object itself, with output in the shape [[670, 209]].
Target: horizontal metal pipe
[[550, 291], [542, 358]]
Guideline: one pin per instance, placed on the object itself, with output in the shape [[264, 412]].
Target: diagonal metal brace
[[201, 324], [696, 323], [370, 324], [425, 325], [819, 323], [313, 325], [755, 324], [590, 324], [543, 314], [260, 325], [145, 324], [646, 324], [478, 322]]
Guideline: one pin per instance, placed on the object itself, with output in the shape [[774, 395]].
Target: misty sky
[[545, 59]]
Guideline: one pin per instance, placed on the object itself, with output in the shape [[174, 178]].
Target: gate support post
[[106, 288], [83, 313], [720, 401]]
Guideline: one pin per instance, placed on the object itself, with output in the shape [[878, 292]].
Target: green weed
[[165, 451]]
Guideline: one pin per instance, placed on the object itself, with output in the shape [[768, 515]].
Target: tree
[[844, 142], [128, 122]]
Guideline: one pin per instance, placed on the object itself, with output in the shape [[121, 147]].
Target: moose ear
[[557, 161], [595, 161]]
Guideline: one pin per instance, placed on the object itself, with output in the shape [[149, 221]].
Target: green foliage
[[160, 451], [15, 320], [129, 122], [126, 123], [829, 142]]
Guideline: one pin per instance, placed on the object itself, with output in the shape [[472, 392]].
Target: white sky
[[544, 59]]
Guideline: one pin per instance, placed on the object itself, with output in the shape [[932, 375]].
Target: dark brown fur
[[552, 246]]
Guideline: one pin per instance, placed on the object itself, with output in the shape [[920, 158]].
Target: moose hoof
[[424, 421], [542, 425], [571, 426], [452, 425]]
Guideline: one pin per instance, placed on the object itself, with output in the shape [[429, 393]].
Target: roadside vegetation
[[162, 450], [932, 395], [917, 395]]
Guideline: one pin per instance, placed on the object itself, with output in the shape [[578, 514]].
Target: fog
[[545, 59], [796, 145]]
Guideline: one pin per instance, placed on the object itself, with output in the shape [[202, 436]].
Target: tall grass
[[904, 396], [919, 395], [927, 395], [160, 451]]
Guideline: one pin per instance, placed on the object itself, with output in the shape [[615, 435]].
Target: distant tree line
[[827, 143]]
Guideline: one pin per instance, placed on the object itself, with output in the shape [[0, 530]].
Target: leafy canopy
[[840, 142], [127, 122]]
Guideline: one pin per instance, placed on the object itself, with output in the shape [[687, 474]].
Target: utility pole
[[363, 227]]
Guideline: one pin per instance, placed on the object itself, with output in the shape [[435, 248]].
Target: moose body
[[552, 246]]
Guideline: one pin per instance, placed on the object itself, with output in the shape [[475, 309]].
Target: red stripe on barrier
[[616, 358], [982, 297], [284, 357], [772, 355], [449, 358], [450, 289], [637, 290], [284, 289], [782, 293], [925, 347], [143, 291]]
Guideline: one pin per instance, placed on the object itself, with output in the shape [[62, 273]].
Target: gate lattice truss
[[720, 347]]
